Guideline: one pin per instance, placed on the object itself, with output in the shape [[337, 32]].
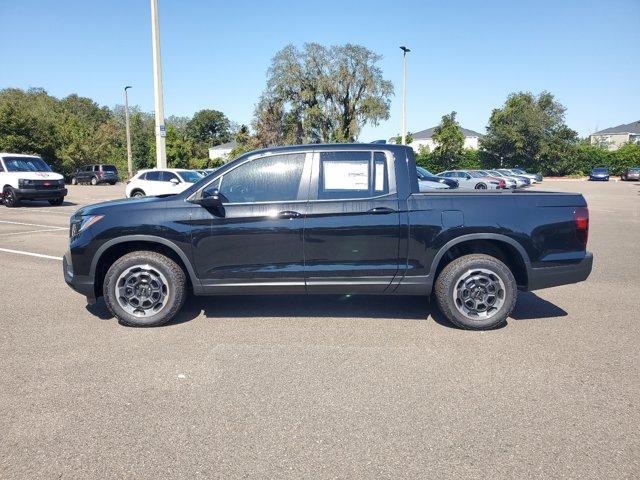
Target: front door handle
[[381, 210], [289, 214]]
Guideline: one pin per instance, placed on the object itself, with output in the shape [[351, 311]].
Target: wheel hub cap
[[142, 290], [479, 293]]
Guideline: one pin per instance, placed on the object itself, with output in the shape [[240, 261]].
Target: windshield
[[634, 170], [600, 170], [474, 174], [424, 172], [518, 171], [26, 164], [190, 177], [495, 173]]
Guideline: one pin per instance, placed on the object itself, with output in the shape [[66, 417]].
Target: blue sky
[[466, 56]]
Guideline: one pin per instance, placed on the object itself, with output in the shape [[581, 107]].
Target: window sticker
[[346, 175]]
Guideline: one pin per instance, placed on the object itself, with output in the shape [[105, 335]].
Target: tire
[[9, 198], [164, 289], [94, 181], [481, 186], [56, 202], [137, 193], [473, 270], [74, 181], [112, 183]]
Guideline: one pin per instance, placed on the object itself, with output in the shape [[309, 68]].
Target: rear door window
[[352, 175], [154, 176]]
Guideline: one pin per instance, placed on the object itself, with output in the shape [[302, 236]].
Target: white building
[[613, 138], [221, 151], [424, 139]]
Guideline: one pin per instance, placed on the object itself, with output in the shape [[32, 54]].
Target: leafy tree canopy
[[529, 131], [321, 94]]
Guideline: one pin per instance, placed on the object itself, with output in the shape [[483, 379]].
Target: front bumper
[[602, 179], [546, 277], [80, 283], [35, 194]]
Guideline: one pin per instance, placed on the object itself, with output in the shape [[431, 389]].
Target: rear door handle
[[381, 210], [289, 214]]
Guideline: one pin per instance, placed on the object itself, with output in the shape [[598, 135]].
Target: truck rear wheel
[[476, 292], [144, 289]]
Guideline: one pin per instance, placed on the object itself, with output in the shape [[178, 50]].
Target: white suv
[[161, 181], [28, 177]]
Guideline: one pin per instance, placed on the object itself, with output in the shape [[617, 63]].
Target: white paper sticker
[[346, 175]]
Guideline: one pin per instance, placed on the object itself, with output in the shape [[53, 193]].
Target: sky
[[465, 56]]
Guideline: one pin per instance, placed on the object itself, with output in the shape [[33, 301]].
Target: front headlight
[[25, 183], [78, 224]]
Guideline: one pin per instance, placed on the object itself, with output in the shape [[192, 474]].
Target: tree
[[398, 139], [529, 131], [449, 141], [209, 128], [321, 94]]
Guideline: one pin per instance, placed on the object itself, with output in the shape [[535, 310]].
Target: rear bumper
[[562, 275], [80, 283], [33, 194]]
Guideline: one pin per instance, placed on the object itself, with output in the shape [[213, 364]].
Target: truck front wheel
[[144, 289], [476, 292], [9, 197]]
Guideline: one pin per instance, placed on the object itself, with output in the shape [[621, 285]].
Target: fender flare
[[195, 281], [481, 236]]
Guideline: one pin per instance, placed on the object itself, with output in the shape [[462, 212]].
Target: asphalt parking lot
[[320, 387]]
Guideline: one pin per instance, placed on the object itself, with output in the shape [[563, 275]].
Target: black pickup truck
[[327, 219]]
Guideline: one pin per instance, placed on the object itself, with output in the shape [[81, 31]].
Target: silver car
[[469, 180]]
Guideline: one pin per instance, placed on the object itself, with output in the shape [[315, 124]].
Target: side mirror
[[212, 200], [174, 181]]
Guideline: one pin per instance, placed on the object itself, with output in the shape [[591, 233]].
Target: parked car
[[95, 174], [600, 174], [327, 219], [534, 177], [526, 178], [161, 181], [28, 177], [520, 181], [425, 175], [510, 183], [467, 180], [631, 174]]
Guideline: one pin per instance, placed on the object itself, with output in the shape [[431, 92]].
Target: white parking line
[[52, 229], [32, 225], [31, 254]]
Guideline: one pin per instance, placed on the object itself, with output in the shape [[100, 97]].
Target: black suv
[[95, 174]]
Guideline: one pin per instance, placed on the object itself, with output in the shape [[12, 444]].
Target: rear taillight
[[581, 219], [503, 184]]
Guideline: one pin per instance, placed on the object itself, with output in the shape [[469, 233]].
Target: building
[[424, 139], [221, 151], [613, 138]]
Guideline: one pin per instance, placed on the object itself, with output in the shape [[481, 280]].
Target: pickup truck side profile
[[327, 219]]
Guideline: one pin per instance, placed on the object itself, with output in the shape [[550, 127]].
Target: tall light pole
[[161, 146], [127, 128], [405, 50]]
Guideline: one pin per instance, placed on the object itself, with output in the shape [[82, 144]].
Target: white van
[[28, 177]]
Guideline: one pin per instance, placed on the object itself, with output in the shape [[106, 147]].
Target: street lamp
[[161, 146], [126, 123], [405, 50]]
